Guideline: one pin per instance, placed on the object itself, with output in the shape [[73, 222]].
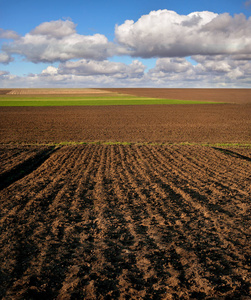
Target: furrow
[[127, 222], [158, 235], [208, 195], [206, 161], [220, 228]]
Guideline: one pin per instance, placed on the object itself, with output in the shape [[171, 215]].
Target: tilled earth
[[217, 123], [240, 96], [125, 222]]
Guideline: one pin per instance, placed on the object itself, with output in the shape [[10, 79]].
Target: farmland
[[88, 98], [125, 202]]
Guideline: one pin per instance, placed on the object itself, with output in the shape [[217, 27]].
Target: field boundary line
[[216, 146]]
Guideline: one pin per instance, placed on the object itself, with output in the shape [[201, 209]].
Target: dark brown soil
[[240, 96], [128, 222], [229, 123]]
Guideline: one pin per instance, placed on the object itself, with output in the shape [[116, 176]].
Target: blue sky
[[140, 52]]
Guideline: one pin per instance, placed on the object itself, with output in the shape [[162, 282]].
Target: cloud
[[211, 71], [58, 41], [8, 34], [219, 44], [5, 58], [172, 65], [81, 73], [50, 70], [160, 34], [57, 29], [172, 70], [165, 33], [3, 73], [224, 68], [90, 68]]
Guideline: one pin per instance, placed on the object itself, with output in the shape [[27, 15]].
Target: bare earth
[[229, 123], [240, 96], [154, 123], [125, 221]]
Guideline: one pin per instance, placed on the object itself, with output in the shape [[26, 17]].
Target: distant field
[[52, 91], [238, 96], [86, 100]]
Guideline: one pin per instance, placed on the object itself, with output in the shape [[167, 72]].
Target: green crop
[[48, 100]]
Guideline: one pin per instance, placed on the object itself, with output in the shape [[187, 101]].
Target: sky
[[133, 43]]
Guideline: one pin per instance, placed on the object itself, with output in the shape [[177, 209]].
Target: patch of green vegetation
[[29, 100]]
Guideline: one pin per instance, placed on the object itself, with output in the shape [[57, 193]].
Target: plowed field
[[125, 222], [241, 96], [221, 123]]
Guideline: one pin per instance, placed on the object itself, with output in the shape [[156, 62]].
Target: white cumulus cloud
[[210, 71], [50, 70], [90, 67], [57, 29], [219, 44], [58, 41], [165, 33]]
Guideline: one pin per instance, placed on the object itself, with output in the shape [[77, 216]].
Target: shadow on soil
[[25, 168], [233, 154]]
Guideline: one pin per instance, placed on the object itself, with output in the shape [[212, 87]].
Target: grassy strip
[[89, 101], [100, 102]]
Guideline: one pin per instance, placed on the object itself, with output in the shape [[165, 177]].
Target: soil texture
[[206, 123], [126, 222], [240, 96]]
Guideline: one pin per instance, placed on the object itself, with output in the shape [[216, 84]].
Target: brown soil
[[240, 96], [154, 123], [128, 222]]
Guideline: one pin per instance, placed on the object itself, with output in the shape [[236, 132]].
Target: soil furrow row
[[164, 233], [200, 209], [221, 172], [199, 187], [127, 222]]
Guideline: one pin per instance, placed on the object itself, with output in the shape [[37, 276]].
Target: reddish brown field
[[240, 96], [126, 221], [229, 123]]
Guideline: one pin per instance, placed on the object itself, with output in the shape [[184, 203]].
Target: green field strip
[[91, 101]]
